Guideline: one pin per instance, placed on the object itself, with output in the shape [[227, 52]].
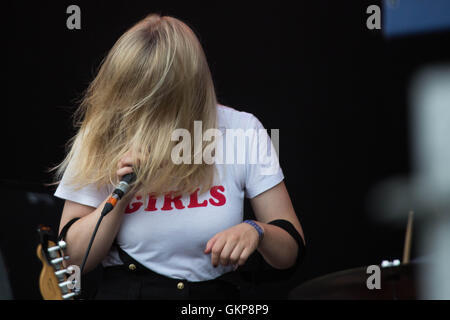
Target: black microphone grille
[[129, 178]]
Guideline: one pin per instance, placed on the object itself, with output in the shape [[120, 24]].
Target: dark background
[[336, 90]]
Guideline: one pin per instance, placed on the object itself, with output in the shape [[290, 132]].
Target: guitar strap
[[126, 259], [62, 234]]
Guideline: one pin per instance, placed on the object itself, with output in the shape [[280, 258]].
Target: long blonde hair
[[155, 79]]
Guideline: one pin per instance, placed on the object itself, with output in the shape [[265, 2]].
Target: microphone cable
[[121, 189]]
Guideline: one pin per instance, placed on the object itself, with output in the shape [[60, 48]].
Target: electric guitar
[[53, 280]]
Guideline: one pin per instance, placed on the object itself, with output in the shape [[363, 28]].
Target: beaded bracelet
[[257, 227]]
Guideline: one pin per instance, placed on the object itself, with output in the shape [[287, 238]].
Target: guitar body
[[48, 283]]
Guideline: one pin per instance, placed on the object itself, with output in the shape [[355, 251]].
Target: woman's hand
[[233, 245], [125, 166]]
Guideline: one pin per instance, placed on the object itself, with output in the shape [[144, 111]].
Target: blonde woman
[[179, 232]]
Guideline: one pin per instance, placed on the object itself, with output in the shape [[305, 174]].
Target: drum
[[396, 283]]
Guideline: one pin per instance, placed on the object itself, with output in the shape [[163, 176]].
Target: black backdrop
[[336, 90]]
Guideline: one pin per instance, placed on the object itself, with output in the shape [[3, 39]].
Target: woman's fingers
[[244, 256], [224, 257], [228, 252], [236, 254], [216, 251], [232, 246], [123, 171], [128, 160], [127, 163], [210, 244]]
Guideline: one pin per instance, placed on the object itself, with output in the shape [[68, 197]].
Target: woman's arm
[[80, 233], [279, 249]]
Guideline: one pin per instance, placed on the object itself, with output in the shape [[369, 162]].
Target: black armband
[[64, 230], [289, 228]]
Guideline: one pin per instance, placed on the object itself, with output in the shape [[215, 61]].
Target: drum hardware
[[398, 280]]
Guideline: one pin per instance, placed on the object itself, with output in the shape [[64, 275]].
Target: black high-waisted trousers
[[133, 281]]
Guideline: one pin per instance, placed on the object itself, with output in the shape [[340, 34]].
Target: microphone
[[121, 189], [124, 184]]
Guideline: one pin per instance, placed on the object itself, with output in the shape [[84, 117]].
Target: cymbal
[[397, 282]]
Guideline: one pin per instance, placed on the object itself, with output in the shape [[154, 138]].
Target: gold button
[[180, 285], [132, 267]]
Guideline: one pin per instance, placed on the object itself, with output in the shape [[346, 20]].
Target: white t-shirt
[[168, 235]]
